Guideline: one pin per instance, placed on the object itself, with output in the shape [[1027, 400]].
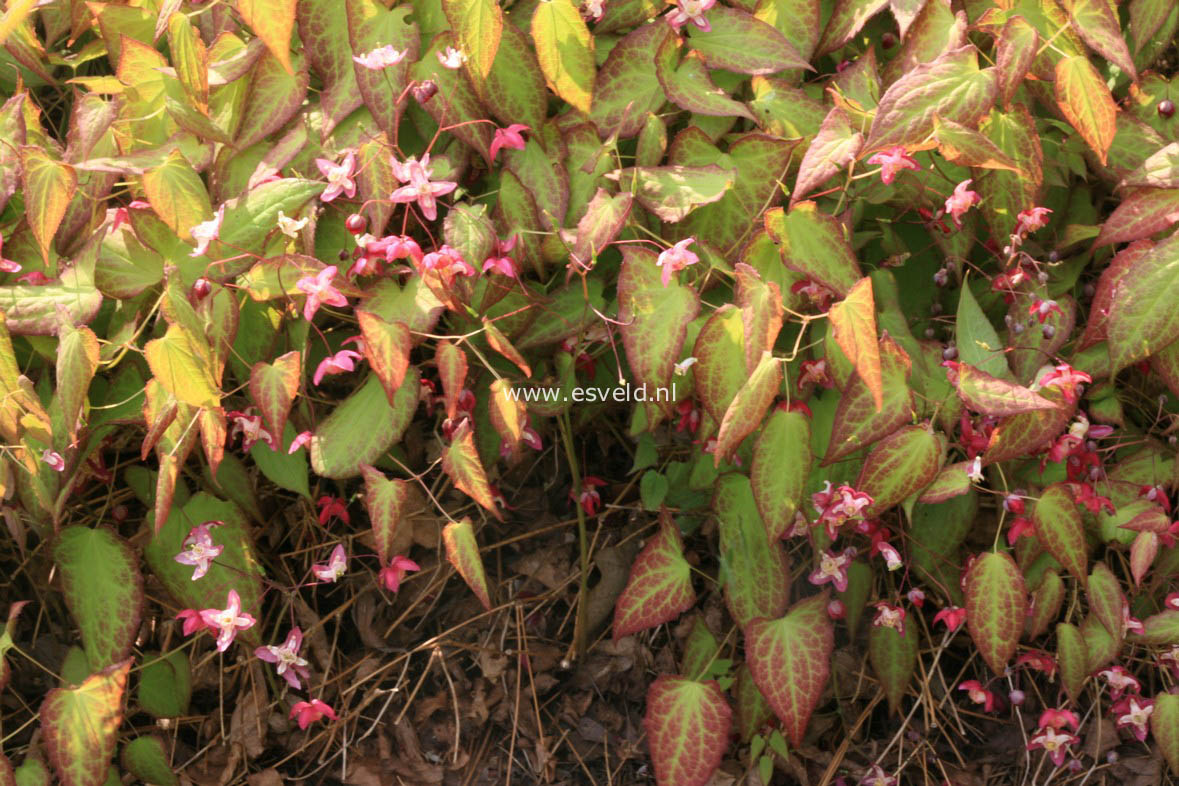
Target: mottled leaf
[[81, 726], [103, 590], [687, 724], [1086, 103], [659, 588], [273, 387], [996, 602], [899, 466], [755, 576]]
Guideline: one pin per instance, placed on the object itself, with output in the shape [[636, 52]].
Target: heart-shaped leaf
[[893, 657], [1058, 526], [748, 407], [388, 502], [1086, 103], [1106, 599], [857, 421], [386, 347], [103, 589], [565, 50], [756, 574], [48, 187], [81, 726], [813, 244], [362, 427], [996, 602], [461, 463], [659, 588], [463, 552], [853, 321], [899, 466], [687, 724], [147, 760], [781, 465], [273, 387], [672, 192], [1072, 659]]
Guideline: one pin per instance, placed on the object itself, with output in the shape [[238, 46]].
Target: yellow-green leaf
[[272, 21], [565, 50], [184, 367], [178, 195], [48, 188], [478, 25], [854, 322], [81, 725], [463, 552], [1086, 103]]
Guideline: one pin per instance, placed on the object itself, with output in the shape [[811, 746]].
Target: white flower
[[452, 58], [289, 226], [682, 367], [380, 58]]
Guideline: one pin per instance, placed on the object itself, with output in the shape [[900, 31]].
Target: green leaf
[[147, 760], [951, 87], [273, 21], [813, 244], [781, 465], [835, 146], [738, 41], [893, 658], [77, 360], [165, 684], [672, 192], [1045, 605], [386, 347], [565, 50], [1100, 647], [103, 590], [997, 397], [978, 342], [1086, 103], [659, 588], [653, 489], [1016, 435], [81, 725], [461, 463], [604, 218], [899, 466], [47, 186], [478, 25], [720, 370], [701, 650], [515, 88], [790, 659], [749, 406], [183, 366], [371, 25], [857, 421], [1015, 50], [362, 427], [755, 572], [1072, 659], [236, 568], [689, 86], [996, 603], [687, 724], [1142, 320], [388, 503], [285, 470], [1097, 24], [273, 387], [966, 147], [177, 194], [853, 321], [1058, 527], [250, 218], [1164, 724], [628, 88], [274, 98], [462, 550]]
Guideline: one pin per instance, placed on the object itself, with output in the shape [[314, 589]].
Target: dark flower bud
[[424, 91]]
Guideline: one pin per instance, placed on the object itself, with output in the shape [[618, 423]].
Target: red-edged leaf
[[604, 218], [462, 550], [893, 658], [323, 29], [500, 343], [854, 322], [951, 87], [1160, 629], [103, 590], [790, 659], [781, 465], [753, 711], [689, 86], [761, 312], [386, 347], [461, 462], [1017, 47], [756, 577], [1058, 526], [857, 421], [738, 41], [748, 407], [1019, 434], [275, 96], [1164, 724], [452, 369], [1143, 551], [1142, 213], [1045, 605], [673, 192], [273, 21], [1086, 103], [370, 26], [1142, 316], [1072, 659], [387, 501], [77, 360], [1106, 599], [966, 147], [1100, 647], [214, 431], [814, 244], [835, 146], [720, 371], [48, 187], [687, 724], [899, 466], [700, 649], [514, 91], [362, 427], [478, 26], [1096, 22], [952, 481], [273, 387], [81, 726], [508, 414], [997, 397], [660, 585], [1096, 329], [996, 602], [847, 18], [1159, 170], [627, 85]]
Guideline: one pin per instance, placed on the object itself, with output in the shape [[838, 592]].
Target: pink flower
[[206, 232], [960, 201], [392, 574], [836, 507], [508, 137], [814, 372], [227, 621], [1130, 624], [499, 261], [676, 258], [339, 363], [832, 568], [1137, 716], [691, 11], [592, 10], [333, 507], [380, 58], [7, 265], [248, 425], [1055, 743], [307, 712], [301, 439], [54, 460], [339, 177], [402, 247], [1059, 719], [876, 776], [978, 694], [447, 262], [319, 291], [452, 58], [588, 498], [289, 665], [200, 550], [1066, 378], [1172, 601], [1119, 680], [892, 161], [192, 621], [420, 189], [337, 566], [952, 617], [889, 616], [1031, 220]]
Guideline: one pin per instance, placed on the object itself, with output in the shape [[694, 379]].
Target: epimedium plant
[[907, 268]]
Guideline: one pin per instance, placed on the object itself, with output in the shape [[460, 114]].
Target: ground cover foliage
[[447, 391]]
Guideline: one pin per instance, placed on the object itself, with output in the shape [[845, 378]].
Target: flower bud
[[355, 223], [836, 610], [1016, 697], [1049, 331], [424, 91], [1166, 108]]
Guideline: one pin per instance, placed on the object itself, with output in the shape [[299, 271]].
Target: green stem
[[579, 631]]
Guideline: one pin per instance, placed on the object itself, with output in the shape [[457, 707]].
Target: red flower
[[1019, 527], [978, 694], [307, 712], [952, 617], [1042, 309], [588, 498], [333, 507], [1031, 220], [508, 137], [1059, 719]]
